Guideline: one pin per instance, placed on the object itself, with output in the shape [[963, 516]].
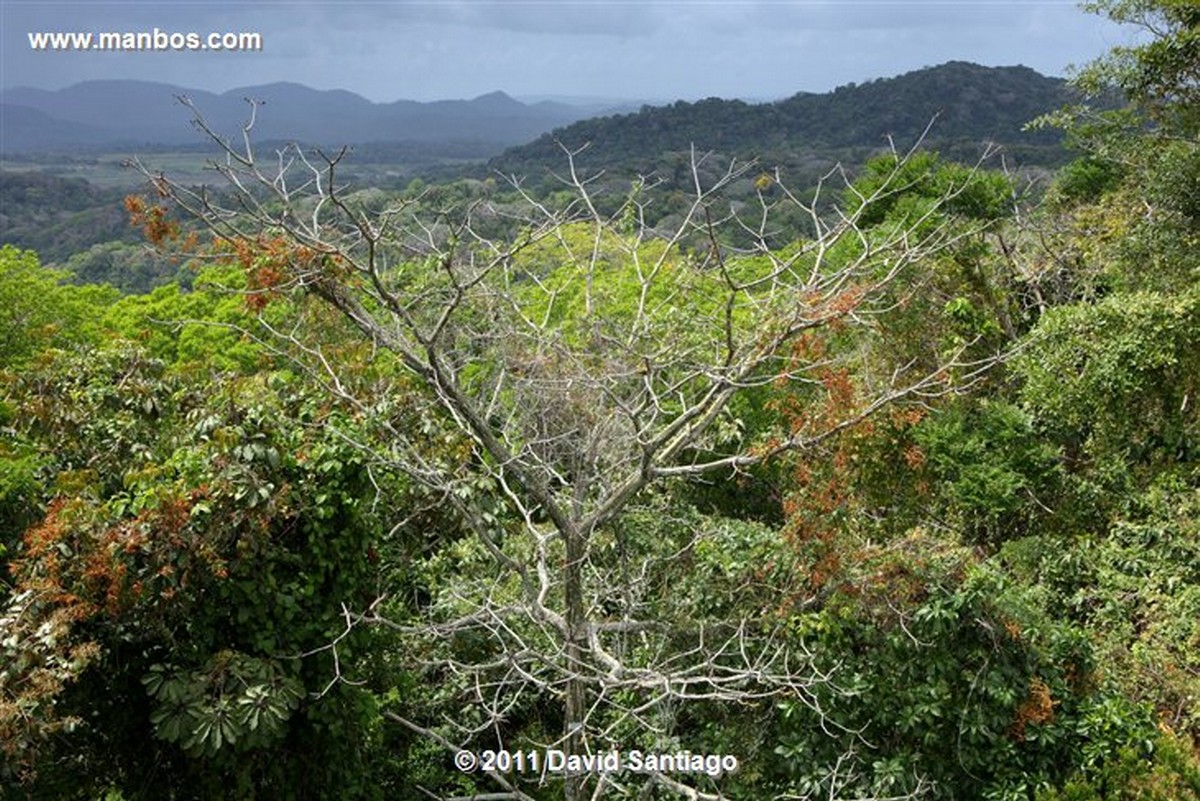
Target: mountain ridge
[[94, 114], [956, 105], [968, 104]]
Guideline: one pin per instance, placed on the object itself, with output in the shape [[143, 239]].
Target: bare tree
[[589, 357]]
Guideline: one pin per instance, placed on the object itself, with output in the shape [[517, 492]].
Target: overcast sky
[[637, 49]]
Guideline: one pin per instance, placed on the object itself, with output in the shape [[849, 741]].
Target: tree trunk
[[575, 711]]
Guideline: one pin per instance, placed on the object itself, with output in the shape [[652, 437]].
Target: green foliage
[[950, 680], [1172, 774], [880, 192], [130, 267], [37, 311], [198, 536], [988, 474], [20, 487], [594, 286], [1140, 163], [1154, 220], [1159, 76], [697, 571], [964, 296], [976, 468], [187, 527], [1087, 179], [209, 325], [1114, 380], [958, 106], [59, 217], [1138, 589], [233, 700], [1172, 184]]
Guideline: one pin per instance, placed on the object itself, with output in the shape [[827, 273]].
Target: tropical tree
[[581, 366], [191, 540], [39, 311]]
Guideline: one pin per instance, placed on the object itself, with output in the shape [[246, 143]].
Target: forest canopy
[[885, 487]]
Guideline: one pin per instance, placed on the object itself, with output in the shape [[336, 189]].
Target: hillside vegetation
[[964, 107]]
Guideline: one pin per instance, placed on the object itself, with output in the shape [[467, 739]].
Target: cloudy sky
[[635, 49]]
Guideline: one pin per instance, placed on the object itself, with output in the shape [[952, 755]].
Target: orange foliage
[[914, 457], [1037, 708], [86, 570], [824, 485], [274, 263], [41, 567], [156, 226], [845, 301]]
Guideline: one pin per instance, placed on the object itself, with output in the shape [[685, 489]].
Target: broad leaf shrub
[[197, 539], [947, 679], [1137, 589]]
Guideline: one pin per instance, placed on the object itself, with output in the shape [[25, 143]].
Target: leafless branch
[[586, 359]]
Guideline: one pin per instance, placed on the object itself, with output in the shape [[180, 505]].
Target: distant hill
[[59, 216], [968, 105], [23, 125], [121, 113]]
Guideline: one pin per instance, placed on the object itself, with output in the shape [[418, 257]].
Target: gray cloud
[[653, 50]]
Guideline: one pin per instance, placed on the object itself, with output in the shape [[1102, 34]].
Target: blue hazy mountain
[[129, 113]]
